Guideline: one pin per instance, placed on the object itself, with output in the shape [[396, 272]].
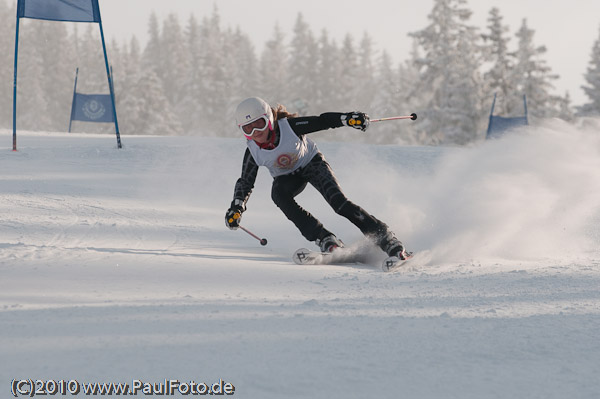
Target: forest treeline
[[190, 75]]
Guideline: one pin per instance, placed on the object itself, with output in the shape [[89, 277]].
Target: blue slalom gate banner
[[60, 10], [498, 125], [92, 108]]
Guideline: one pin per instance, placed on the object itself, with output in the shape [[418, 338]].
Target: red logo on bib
[[286, 161]]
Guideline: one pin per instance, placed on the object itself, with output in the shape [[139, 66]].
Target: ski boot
[[392, 246], [329, 243], [395, 250]]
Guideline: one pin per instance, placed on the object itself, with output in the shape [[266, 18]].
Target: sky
[[568, 29]]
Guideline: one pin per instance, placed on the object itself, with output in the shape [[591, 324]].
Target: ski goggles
[[257, 125]]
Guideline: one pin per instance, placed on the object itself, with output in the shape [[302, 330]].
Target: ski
[[393, 262], [304, 256]]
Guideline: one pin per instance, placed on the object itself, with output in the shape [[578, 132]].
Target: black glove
[[357, 120], [234, 216]]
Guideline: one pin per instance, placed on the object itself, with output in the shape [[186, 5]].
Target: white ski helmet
[[252, 109]]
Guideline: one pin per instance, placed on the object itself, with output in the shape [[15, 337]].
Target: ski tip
[[389, 264], [300, 256], [393, 262]]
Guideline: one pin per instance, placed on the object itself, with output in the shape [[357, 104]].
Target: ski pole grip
[[236, 216]]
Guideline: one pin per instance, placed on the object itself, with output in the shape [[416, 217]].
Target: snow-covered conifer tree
[[327, 74], [214, 79], [592, 86], [174, 64], [365, 90], [58, 57], [533, 77], [565, 111], [408, 72], [409, 99], [90, 61], [450, 74], [152, 52], [302, 64], [127, 98], [192, 87], [497, 78], [7, 45], [385, 102], [242, 65], [272, 82], [349, 78], [155, 116], [32, 104]]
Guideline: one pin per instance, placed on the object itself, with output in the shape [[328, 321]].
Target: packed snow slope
[[116, 266]]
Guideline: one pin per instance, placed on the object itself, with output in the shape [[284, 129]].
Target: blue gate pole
[[489, 129], [74, 96], [110, 86], [15, 84]]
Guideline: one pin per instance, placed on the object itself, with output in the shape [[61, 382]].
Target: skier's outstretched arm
[[329, 120], [241, 193]]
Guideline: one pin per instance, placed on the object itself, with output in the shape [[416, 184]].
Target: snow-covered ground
[[115, 266]]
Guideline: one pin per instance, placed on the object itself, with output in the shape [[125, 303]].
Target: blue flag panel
[[499, 125], [60, 10], [92, 108]]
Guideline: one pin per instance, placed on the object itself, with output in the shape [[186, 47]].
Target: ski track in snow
[[116, 265]]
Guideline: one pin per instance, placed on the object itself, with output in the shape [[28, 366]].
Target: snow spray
[[532, 194]]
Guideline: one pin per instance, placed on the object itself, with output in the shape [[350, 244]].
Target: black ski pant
[[318, 172]]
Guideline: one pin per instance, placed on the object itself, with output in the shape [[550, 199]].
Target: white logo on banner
[[93, 109]]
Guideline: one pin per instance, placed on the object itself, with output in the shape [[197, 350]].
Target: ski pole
[[263, 241], [412, 116], [237, 215]]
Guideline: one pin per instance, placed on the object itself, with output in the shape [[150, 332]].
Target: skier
[[277, 139]]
